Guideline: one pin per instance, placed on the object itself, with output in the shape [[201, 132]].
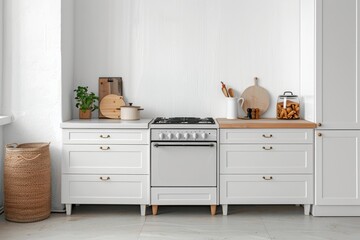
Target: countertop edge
[[272, 124], [105, 124]]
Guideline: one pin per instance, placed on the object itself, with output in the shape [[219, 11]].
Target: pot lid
[[288, 94], [130, 106]]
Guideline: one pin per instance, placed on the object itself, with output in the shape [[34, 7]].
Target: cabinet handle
[[319, 134], [269, 148], [319, 124], [267, 178], [103, 148], [105, 136], [104, 179], [267, 136]]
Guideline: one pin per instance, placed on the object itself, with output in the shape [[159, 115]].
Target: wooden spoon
[[224, 90], [231, 92]]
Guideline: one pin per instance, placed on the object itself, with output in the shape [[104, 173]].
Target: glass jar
[[288, 106]]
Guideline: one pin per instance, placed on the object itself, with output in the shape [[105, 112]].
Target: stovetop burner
[[183, 120]]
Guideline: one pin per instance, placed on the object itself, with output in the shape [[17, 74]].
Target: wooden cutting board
[[109, 85], [256, 97], [110, 106]]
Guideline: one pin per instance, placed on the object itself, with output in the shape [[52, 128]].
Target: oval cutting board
[[256, 97], [110, 106]]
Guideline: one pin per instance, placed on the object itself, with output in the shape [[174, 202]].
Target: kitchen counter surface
[[105, 123], [264, 123]]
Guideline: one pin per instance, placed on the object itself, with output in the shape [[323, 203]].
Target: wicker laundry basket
[[27, 182]]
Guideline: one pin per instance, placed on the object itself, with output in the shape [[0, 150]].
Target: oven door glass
[[183, 164]]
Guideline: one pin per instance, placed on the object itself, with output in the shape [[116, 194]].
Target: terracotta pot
[[85, 115]]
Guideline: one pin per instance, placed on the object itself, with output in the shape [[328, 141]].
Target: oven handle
[[184, 145]]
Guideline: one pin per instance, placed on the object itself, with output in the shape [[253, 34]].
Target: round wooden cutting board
[[256, 97], [110, 106]]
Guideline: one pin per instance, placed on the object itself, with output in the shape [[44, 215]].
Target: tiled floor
[[243, 222]]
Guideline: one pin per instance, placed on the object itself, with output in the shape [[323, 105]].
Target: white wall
[[67, 57], [173, 54], [1, 128], [32, 69]]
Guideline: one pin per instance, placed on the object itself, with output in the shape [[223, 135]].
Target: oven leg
[[213, 210], [155, 209]]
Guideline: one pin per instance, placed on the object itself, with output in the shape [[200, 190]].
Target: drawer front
[[106, 159], [105, 136], [183, 196], [265, 158], [255, 189], [113, 189], [266, 136]]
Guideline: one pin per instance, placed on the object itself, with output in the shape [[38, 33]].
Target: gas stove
[[184, 129], [184, 122]]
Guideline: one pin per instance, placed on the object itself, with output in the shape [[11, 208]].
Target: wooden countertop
[[264, 123]]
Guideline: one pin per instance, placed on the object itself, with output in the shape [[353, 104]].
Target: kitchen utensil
[[110, 106], [224, 90], [256, 97], [231, 92], [288, 106], [109, 85], [233, 106], [130, 112]]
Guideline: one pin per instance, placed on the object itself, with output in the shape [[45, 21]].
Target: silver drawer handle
[[105, 148], [269, 148], [268, 178], [103, 136], [267, 136], [104, 179]]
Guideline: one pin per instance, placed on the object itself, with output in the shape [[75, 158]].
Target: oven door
[[183, 164]]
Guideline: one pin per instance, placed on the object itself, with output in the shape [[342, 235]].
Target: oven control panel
[[183, 135]]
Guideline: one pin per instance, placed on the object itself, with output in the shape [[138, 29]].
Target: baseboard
[[335, 211]]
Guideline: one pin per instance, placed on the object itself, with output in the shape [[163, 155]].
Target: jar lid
[[288, 94]]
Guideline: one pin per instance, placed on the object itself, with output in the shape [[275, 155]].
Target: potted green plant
[[85, 101]]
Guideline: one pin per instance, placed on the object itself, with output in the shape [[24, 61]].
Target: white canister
[[233, 107], [130, 112]]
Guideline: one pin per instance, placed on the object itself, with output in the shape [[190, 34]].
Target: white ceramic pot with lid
[[130, 112]]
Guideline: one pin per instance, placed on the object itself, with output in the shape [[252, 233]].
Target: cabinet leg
[[225, 209], [68, 209], [213, 210], [307, 209], [155, 209], [142, 209]]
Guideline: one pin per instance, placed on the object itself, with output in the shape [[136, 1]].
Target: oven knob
[[194, 135], [169, 135], [203, 135], [177, 135], [161, 136], [186, 135]]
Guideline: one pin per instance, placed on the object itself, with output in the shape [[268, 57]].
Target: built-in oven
[[183, 164]]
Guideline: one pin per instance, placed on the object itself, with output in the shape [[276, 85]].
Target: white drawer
[[106, 159], [105, 136], [265, 158], [255, 189], [183, 196], [118, 189], [266, 136]]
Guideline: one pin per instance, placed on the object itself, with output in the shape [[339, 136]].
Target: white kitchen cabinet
[[337, 172], [105, 165], [266, 166], [337, 54]]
